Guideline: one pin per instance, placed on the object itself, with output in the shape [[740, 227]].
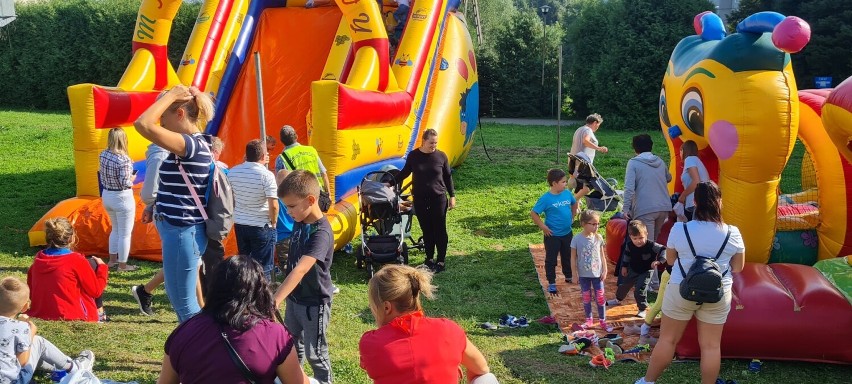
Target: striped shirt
[[116, 171], [174, 200], [253, 186]]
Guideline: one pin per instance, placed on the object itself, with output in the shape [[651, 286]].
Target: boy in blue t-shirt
[[559, 207]]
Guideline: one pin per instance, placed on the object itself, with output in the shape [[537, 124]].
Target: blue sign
[[822, 81]]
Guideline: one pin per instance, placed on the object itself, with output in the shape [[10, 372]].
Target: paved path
[[521, 121]]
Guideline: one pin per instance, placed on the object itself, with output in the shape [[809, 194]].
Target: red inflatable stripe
[[370, 109], [115, 108], [161, 62], [211, 45]]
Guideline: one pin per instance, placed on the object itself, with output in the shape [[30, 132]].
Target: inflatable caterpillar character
[[736, 97]]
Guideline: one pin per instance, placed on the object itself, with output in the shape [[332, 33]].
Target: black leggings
[[431, 213]]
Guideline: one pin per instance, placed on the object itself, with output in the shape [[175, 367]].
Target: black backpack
[[703, 282]]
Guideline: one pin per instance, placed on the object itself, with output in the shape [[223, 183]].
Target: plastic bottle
[[56, 376]]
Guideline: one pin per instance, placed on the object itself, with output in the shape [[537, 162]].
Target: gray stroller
[[604, 195]]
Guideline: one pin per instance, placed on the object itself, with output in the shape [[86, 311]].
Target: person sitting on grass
[[410, 347], [639, 256], [559, 206], [22, 350], [239, 311], [66, 285]]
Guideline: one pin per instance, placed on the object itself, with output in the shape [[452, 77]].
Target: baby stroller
[[385, 219], [604, 196]]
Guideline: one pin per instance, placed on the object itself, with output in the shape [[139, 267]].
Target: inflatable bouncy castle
[[735, 96], [326, 71]]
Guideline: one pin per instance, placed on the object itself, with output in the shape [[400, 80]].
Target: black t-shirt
[[432, 176], [312, 240], [639, 259]]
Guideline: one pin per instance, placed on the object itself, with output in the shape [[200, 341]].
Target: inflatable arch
[[326, 72], [735, 96]]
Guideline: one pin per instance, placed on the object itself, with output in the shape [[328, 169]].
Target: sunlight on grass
[[489, 269]]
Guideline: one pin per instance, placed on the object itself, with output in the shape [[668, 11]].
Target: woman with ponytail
[[410, 347], [175, 122]]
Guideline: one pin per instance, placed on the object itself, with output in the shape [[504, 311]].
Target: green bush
[[57, 43]]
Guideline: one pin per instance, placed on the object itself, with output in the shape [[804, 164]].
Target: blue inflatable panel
[[345, 183]]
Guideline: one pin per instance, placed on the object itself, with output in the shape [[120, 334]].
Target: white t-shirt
[[578, 146], [14, 339], [707, 238], [703, 175], [253, 185]]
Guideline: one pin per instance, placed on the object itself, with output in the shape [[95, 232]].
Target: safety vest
[[303, 157]]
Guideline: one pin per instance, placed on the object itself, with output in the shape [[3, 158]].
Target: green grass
[[489, 273]]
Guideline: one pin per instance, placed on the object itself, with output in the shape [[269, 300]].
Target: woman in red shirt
[[63, 284], [410, 347]]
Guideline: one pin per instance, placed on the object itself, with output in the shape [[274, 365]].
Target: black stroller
[[385, 218], [604, 196]]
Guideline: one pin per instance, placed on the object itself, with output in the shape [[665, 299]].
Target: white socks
[[642, 381], [645, 330]]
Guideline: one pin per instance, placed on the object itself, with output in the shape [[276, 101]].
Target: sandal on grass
[[127, 268]]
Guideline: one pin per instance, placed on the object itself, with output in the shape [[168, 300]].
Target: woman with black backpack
[[703, 254]]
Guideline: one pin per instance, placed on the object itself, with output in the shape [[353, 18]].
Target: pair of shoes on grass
[[433, 266], [514, 322]]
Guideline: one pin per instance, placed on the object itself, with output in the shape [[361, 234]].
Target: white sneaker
[[641, 314], [612, 303], [84, 361], [335, 291], [632, 329]]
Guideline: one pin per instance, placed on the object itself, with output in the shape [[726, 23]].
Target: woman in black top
[[431, 184]]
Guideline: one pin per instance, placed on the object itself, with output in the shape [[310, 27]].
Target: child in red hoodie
[[64, 285]]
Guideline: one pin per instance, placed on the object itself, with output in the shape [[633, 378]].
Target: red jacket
[[413, 349], [63, 286]]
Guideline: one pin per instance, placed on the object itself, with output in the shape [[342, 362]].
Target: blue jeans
[[257, 243], [182, 249]]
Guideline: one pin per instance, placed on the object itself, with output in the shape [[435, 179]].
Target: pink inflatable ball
[[791, 34]]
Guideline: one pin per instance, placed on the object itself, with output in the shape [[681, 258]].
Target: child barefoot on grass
[[559, 207], [588, 253], [21, 350]]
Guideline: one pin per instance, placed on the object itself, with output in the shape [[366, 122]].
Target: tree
[[620, 52]]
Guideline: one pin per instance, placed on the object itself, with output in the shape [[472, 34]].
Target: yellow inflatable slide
[[326, 71]]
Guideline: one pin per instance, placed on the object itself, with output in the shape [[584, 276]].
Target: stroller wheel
[[403, 257], [359, 258], [370, 270]]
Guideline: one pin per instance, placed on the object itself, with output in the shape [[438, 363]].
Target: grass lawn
[[489, 269]]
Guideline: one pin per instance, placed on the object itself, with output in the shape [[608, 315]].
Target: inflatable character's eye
[[692, 111], [664, 109]]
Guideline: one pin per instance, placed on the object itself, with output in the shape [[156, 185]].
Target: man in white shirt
[[585, 140], [256, 211]]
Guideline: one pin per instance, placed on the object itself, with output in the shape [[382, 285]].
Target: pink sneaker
[[590, 323], [605, 326]]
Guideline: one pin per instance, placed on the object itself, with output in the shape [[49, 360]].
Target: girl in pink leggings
[[587, 260]]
